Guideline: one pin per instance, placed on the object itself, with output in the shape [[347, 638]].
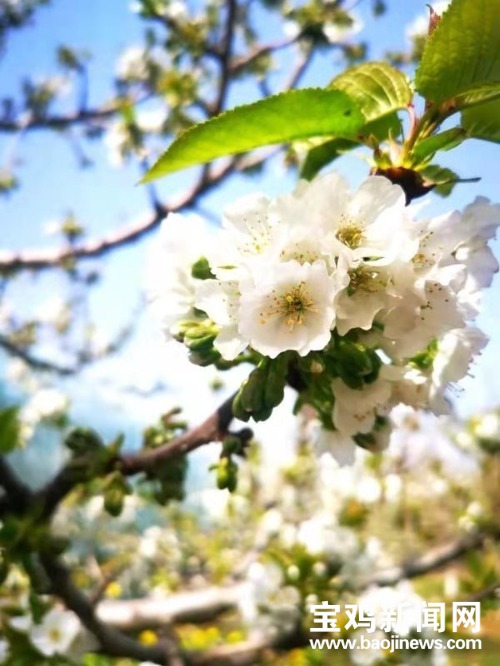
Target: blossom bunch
[[346, 296]]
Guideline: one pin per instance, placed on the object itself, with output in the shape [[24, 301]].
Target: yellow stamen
[[293, 306], [350, 234], [365, 279]]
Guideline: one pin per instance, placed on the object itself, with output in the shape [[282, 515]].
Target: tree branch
[[59, 122], [241, 62], [434, 559], [212, 429], [33, 361], [83, 357], [227, 46], [112, 641], [43, 259], [209, 603], [198, 606]]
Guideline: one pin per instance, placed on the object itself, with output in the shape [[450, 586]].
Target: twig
[[239, 63], [43, 259], [112, 641], [59, 122], [227, 46], [212, 429], [435, 559], [489, 591], [83, 358], [299, 69], [33, 361]]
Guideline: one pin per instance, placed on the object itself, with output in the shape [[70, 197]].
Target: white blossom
[[487, 425], [220, 300], [355, 410], [56, 632], [291, 308], [326, 269], [340, 446], [382, 600], [170, 286], [133, 62], [46, 404]]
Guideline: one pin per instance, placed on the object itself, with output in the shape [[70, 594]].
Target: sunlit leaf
[[378, 88], [321, 155], [444, 179], [298, 114], [446, 140], [483, 121], [463, 53]]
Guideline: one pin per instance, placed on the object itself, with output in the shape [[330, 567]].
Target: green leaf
[[326, 152], [9, 429], [480, 95], [321, 155], [298, 114], [446, 140], [483, 121], [382, 128], [444, 179], [462, 54], [378, 88]]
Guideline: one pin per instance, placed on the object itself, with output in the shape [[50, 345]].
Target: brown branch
[[57, 122], [198, 606], [241, 62], [209, 603], [434, 559], [247, 653], [33, 361], [487, 592], [115, 643], [83, 357], [43, 259], [112, 641], [212, 429], [227, 46]]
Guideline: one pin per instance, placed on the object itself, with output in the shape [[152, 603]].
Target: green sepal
[[324, 154], [426, 149], [115, 489], [227, 474], [201, 269]]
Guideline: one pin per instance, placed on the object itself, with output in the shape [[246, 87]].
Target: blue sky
[[105, 198]]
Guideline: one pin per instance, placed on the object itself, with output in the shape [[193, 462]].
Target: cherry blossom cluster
[[349, 297]]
